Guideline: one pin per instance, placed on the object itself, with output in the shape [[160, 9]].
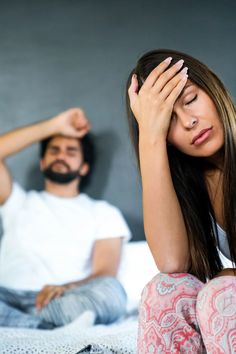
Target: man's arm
[[72, 122], [105, 262]]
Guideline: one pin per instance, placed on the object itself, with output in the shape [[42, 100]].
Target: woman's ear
[[84, 169]]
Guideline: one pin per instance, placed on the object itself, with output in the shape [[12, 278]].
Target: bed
[[82, 336]]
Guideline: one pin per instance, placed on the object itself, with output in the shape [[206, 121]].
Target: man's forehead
[[65, 141]]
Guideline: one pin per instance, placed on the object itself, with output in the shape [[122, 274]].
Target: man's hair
[[88, 151]]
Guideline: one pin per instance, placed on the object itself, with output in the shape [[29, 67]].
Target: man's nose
[[61, 155]]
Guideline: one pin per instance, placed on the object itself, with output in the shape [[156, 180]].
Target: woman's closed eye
[[190, 100]]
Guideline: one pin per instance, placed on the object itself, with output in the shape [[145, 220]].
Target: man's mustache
[[61, 162]]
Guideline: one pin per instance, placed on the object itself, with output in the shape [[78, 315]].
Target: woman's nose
[[189, 122], [192, 122]]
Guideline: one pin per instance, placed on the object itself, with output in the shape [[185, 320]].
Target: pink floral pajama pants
[[180, 314]]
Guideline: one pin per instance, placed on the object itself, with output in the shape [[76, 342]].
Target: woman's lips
[[202, 136]]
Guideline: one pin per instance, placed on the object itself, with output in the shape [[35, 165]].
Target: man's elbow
[[106, 273]]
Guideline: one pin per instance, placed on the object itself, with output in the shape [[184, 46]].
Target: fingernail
[[168, 60], [134, 76], [179, 63], [184, 71]]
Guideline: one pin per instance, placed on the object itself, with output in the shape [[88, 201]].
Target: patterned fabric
[[180, 314], [103, 296], [216, 313]]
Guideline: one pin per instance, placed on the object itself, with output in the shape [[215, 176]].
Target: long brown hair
[[188, 172]]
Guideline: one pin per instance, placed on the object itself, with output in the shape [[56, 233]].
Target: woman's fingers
[[168, 75], [168, 88], [159, 76], [158, 94], [132, 91], [177, 90], [155, 73]]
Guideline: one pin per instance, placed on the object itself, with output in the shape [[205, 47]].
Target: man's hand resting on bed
[[48, 293]]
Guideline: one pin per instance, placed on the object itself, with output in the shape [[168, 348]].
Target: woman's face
[[195, 127]]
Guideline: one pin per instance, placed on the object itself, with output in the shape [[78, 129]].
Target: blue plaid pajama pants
[[104, 296]]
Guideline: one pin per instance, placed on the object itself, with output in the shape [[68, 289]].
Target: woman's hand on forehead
[[152, 106]]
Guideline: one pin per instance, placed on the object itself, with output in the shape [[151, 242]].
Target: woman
[[183, 125]]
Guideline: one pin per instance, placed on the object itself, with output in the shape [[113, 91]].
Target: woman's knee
[[217, 296], [167, 294], [168, 285]]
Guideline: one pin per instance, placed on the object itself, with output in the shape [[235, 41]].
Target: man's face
[[63, 158]]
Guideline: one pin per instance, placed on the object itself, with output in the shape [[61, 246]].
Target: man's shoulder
[[16, 186], [96, 203], [29, 196], [109, 219], [17, 199], [33, 193]]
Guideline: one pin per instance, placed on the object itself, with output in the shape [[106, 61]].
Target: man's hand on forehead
[[73, 123]]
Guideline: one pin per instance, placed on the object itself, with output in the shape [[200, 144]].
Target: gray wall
[[63, 53]]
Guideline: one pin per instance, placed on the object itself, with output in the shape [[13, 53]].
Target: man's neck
[[69, 190]]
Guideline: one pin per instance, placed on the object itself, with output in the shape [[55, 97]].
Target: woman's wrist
[[151, 140]]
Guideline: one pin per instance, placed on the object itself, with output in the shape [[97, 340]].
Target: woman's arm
[[163, 220], [227, 271]]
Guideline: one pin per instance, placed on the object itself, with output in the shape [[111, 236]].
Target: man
[[60, 249]]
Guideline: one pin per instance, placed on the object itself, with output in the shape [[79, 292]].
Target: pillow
[[137, 268]]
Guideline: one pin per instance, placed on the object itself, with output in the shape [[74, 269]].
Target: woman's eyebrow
[[185, 88]]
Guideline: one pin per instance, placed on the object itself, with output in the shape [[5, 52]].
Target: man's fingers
[[42, 296], [58, 294], [80, 132], [81, 124], [48, 294], [54, 293], [39, 301]]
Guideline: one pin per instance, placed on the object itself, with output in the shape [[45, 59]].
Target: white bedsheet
[[119, 338]]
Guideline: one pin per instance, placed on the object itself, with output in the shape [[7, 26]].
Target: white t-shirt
[[49, 239]]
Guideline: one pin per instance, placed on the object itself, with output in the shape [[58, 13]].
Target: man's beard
[[60, 177]]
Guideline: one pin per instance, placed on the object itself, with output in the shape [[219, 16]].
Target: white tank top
[[223, 248], [223, 242]]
